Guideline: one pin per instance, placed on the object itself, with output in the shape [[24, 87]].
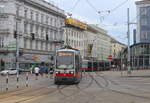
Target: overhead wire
[[76, 3], [102, 17], [118, 6], [91, 5]]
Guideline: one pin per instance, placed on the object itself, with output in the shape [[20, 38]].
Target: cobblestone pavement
[[96, 87]]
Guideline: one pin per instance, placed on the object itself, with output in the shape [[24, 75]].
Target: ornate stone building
[[38, 25]]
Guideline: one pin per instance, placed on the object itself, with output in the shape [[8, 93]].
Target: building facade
[[38, 25], [101, 43], [140, 57], [91, 40], [143, 21], [74, 34], [116, 48]]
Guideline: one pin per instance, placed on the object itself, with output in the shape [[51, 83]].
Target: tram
[[88, 65], [67, 66]]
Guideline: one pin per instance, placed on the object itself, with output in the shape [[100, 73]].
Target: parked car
[[9, 71]]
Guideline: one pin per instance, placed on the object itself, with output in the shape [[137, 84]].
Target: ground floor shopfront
[[26, 59], [140, 56]]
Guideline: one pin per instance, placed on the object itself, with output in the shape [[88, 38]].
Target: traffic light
[[20, 53], [33, 36], [15, 34], [47, 37], [52, 58]]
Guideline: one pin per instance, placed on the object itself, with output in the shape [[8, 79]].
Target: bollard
[[27, 78], [17, 80], [7, 82]]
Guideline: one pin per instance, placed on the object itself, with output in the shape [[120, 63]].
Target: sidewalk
[[134, 73], [12, 81]]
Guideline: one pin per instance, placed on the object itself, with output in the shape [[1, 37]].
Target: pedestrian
[[31, 69], [123, 66], [51, 71], [42, 68], [36, 71], [46, 70]]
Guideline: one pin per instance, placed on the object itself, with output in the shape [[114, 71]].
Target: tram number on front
[[65, 54]]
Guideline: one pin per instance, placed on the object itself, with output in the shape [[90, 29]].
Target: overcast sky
[[114, 22]]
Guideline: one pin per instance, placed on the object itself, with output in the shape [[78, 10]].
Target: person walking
[[51, 71], [46, 70], [36, 71], [31, 69]]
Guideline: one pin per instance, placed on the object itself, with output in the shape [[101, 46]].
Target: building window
[[2, 8], [46, 44], [55, 22], [51, 21], [144, 35], [41, 45], [25, 12], [25, 43], [61, 23], [37, 17], [143, 21], [36, 44], [1, 42], [42, 17], [31, 44], [42, 32], [17, 10], [47, 31], [31, 28], [143, 10], [47, 18], [31, 15], [25, 27], [37, 30]]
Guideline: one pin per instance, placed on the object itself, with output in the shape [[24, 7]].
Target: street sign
[[110, 57]]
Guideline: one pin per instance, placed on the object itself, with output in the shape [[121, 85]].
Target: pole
[[128, 33], [7, 82], [27, 78], [17, 49], [92, 64]]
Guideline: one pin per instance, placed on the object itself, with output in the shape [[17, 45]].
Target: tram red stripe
[[67, 75]]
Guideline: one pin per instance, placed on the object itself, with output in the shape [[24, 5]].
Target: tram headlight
[[71, 72], [56, 72]]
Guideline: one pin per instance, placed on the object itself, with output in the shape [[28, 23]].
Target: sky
[[114, 22]]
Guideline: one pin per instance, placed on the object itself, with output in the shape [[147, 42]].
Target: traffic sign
[[110, 57]]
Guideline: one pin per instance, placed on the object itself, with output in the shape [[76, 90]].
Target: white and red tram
[[67, 65]]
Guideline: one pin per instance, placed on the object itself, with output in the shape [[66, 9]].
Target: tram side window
[[77, 62]]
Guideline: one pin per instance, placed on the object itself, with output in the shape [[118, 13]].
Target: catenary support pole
[[128, 33]]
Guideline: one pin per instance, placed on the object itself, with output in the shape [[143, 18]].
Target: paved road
[[97, 87], [12, 81]]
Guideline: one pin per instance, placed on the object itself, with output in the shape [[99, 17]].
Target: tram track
[[36, 93], [109, 81], [60, 89], [117, 91], [77, 86], [77, 93]]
